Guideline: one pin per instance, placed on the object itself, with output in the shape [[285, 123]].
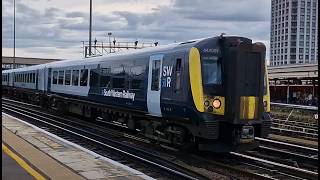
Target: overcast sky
[[55, 28]]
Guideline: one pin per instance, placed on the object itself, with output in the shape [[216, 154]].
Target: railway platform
[[29, 152]]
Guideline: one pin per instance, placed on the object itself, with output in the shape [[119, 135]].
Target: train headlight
[[216, 103]]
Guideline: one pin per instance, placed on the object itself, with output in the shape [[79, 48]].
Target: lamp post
[[14, 34], [90, 27], [109, 34]]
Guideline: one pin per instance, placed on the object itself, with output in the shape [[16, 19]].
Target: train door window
[[105, 80], [67, 77], [61, 75], [75, 77], [84, 77], [178, 74], [55, 77], [155, 75]]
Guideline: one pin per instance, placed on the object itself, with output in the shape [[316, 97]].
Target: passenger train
[[209, 93]]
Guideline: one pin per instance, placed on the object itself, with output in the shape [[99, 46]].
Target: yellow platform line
[[22, 163]]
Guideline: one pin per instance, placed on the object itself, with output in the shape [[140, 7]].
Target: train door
[[154, 85]]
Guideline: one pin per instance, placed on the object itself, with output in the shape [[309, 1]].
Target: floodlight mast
[[14, 34], [90, 27]]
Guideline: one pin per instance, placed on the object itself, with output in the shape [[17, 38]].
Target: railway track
[[246, 168], [146, 162]]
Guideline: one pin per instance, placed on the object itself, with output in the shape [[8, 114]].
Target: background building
[[294, 32], [7, 62]]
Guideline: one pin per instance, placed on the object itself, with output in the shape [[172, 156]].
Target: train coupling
[[247, 134]]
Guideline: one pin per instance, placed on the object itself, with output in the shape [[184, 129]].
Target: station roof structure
[[299, 71]]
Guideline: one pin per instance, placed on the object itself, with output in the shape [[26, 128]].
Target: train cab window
[[67, 77], [178, 74], [211, 72], [105, 80], [61, 75], [55, 77], [75, 77], [84, 77], [155, 75]]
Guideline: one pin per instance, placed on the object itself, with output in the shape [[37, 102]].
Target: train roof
[[97, 59]]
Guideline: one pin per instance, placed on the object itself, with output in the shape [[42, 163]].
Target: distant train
[[211, 92]]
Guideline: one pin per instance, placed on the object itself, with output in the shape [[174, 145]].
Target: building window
[[301, 37], [307, 56], [300, 56], [301, 30], [300, 50]]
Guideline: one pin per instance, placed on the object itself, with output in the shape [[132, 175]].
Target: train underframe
[[207, 135]]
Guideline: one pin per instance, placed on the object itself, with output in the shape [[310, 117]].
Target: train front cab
[[230, 93]]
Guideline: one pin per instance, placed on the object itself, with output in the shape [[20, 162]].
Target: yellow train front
[[229, 94]]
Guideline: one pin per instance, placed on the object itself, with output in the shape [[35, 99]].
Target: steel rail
[[183, 175], [313, 108], [314, 150], [288, 169]]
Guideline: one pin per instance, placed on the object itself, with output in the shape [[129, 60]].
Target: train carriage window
[[31, 78], [137, 76], [94, 78], [34, 77], [155, 75], [55, 77], [178, 74], [25, 78], [75, 77], [118, 82], [84, 77], [67, 77], [61, 75], [105, 80]]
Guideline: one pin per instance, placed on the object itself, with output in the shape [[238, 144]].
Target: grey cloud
[[58, 28]]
